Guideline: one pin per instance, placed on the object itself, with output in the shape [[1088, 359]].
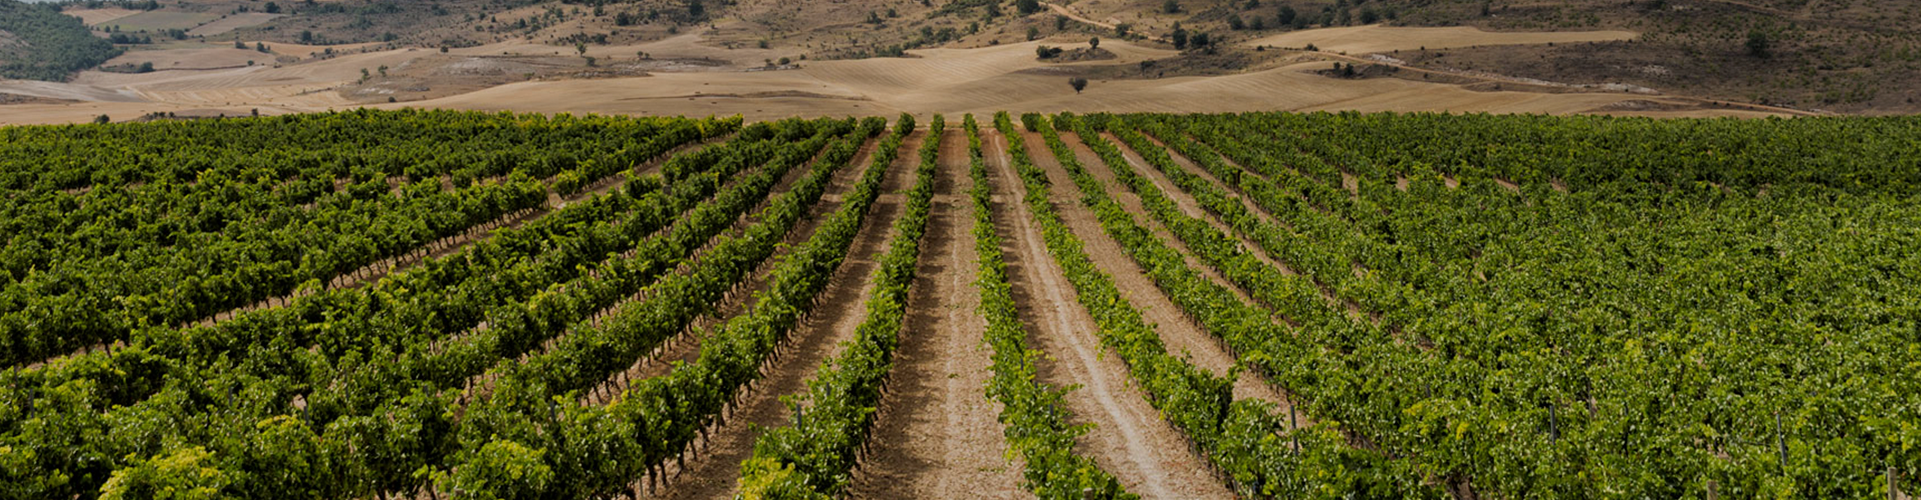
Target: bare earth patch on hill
[[96, 16], [1378, 38], [232, 22]]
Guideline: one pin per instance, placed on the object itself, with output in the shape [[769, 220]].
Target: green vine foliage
[[1502, 306]]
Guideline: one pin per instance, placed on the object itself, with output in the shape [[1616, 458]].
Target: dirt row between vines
[[481, 385], [715, 470], [655, 363], [1188, 204], [938, 436], [1128, 437]]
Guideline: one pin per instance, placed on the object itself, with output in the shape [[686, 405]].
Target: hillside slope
[[1673, 57]]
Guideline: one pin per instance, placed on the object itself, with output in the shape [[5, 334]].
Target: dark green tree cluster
[[51, 46]]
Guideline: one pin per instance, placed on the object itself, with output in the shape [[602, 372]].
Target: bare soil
[[1378, 38]]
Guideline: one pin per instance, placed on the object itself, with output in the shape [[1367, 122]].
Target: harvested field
[[155, 21], [96, 16], [215, 57]]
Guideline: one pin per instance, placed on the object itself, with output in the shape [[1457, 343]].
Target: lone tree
[[1758, 44], [1078, 83], [1094, 43], [1171, 7], [1026, 7]]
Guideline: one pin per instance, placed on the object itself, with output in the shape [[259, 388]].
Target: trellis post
[[1781, 443], [1293, 428]]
